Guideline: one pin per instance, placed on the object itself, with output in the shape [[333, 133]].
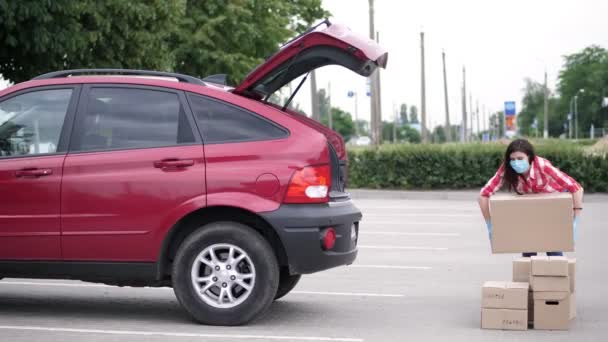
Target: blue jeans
[[527, 255]]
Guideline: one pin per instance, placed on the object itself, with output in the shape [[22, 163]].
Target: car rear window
[[220, 122]]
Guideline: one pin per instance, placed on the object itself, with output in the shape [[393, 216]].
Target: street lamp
[[581, 91], [574, 113]]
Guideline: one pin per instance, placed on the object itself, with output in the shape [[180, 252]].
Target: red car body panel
[[29, 220], [113, 202]]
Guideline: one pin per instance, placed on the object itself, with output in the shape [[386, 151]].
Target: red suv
[[170, 180]]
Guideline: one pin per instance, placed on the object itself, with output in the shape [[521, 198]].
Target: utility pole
[[422, 91], [477, 116], [546, 122], [484, 118], [471, 115], [448, 128], [373, 90], [356, 114], [378, 99], [315, 110], [395, 123], [331, 124], [463, 128]]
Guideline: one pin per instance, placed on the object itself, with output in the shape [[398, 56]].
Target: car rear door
[[34, 131], [134, 159]]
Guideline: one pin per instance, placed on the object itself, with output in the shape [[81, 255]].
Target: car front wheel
[[225, 274]]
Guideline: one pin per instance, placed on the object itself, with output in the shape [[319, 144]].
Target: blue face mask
[[520, 166]]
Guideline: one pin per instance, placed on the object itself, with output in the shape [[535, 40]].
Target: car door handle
[[33, 173], [173, 163]]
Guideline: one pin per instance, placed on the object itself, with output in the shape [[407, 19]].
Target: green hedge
[[462, 166]]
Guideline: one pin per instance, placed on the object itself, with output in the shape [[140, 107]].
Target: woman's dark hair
[[518, 145]]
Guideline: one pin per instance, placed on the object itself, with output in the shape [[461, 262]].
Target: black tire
[[259, 251], [287, 282]]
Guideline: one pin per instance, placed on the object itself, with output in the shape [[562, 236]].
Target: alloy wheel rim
[[223, 275]]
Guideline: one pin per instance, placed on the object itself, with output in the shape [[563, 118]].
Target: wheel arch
[[203, 216]]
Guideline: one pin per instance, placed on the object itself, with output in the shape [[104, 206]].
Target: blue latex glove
[[489, 226], [575, 227]]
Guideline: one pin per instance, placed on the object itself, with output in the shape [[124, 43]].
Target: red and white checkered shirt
[[543, 177]]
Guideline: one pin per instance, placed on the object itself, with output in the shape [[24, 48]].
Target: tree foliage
[[342, 123], [197, 37], [588, 70], [414, 115], [219, 36], [403, 114], [41, 36]]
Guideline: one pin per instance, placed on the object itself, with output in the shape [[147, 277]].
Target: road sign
[[509, 108], [351, 93]]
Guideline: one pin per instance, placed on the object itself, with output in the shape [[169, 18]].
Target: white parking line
[[392, 267], [413, 248], [365, 232], [372, 222], [32, 283], [350, 294], [176, 334], [420, 215]]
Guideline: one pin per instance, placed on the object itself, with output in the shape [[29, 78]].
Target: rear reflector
[[309, 185], [328, 239]]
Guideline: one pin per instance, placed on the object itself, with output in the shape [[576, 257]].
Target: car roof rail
[[127, 72]]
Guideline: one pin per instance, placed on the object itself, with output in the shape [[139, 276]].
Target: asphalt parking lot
[[422, 260]]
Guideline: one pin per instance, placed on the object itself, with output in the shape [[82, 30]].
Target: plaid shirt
[[543, 177]]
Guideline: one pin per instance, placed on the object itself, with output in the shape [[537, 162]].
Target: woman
[[525, 172]]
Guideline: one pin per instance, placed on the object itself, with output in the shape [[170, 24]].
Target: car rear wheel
[[225, 274], [287, 282]]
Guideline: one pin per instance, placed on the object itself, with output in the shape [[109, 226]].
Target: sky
[[500, 43]]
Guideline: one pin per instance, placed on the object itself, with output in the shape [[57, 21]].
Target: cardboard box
[[531, 223], [504, 295], [504, 319], [572, 306], [521, 270], [549, 266], [550, 284], [572, 274], [552, 310]]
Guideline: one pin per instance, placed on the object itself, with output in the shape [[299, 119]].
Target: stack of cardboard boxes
[[542, 291]]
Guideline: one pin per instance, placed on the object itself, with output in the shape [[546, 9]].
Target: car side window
[[223, 123], [129, 118], [31, 123]]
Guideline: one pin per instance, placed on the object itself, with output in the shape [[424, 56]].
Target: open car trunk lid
[[323, 44]]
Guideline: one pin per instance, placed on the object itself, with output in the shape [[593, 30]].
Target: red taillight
[[309, 185], [328, 239]]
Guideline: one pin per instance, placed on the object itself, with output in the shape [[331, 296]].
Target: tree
[[323, 103], [387, 131], [232, 37], [438, 135], [532, 108], [409, 134], [342, 123], [42, 36], [196, 37], [414, 115], [496, 124], [588, 70], [363, 128], [403, 114]]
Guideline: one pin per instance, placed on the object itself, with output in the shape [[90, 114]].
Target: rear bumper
[[299, 227]]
